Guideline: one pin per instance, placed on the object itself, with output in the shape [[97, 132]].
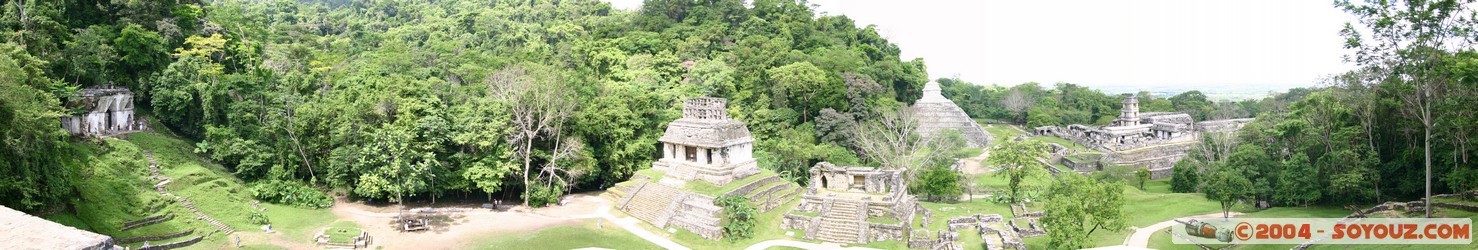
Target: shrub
[[738, 217], [540, 195], [291, 193], [1142, 176], [258, 218], [939, 184], [1184, 178]]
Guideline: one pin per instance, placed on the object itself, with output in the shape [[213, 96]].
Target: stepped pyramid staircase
[[649, 202], [845, 222]]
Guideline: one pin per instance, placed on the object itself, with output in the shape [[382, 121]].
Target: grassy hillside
[[116, 187]]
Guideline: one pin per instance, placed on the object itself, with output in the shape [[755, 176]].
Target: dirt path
[[972, 164], [457, 229], [1141, 237]]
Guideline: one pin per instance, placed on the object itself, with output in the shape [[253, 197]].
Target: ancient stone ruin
[[936, 113], [707, 147], [109, 110], [1154, 140], [853, 205]]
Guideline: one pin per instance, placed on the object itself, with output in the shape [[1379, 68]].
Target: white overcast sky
[[1109, 43]]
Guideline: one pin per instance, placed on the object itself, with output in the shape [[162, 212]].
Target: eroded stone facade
[[707, 145], [853, 205], [109, 110]]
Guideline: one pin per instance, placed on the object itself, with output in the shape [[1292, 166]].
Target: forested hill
[[418, 97]]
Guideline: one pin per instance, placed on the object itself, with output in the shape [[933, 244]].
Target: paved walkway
[[1141, 237]]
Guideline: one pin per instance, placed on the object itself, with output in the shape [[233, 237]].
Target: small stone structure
[[707, 145], [1153, 140], [935, 113], [854, 205], [109, 110], [22, 231]]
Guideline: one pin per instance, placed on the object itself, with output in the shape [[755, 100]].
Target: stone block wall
[[698, 213], [881, 232], [795, 222], [1159, 159]]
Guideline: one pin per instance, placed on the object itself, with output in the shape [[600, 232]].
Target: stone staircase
[[780, 197], [154, 168], [649, 202], [617, 192], [698, 214], [843, 223]]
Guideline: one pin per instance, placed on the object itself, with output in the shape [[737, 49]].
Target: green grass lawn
[[1156, 204], [297, 224], [585, 234], [342, 232], [1143, 207], [1063, 142], [114, 189], [945, 211], [222, 196], [968, 152], [652, 173], [1003, 132]]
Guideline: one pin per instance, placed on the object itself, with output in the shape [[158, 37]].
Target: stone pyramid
[[936, 113]]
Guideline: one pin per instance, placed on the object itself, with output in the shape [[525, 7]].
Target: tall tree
[[538, 104], [1078, 206], [802, 79], [1018, 103], [1018, 159], [31, 172], [1406, 44], [894, 143], [90, 53], [1226, 186]]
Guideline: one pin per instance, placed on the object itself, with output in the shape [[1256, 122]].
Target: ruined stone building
[[109, 110], [854, 205], [703, 148], [935, 113], [1154, 140], [707, 145]]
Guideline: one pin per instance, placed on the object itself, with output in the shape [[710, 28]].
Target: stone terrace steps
[[750, 188], [842, 222], [777, 199], [699, 213], [154, 168], [650, 201], [841, 231], [615, 193], [761, 194]]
